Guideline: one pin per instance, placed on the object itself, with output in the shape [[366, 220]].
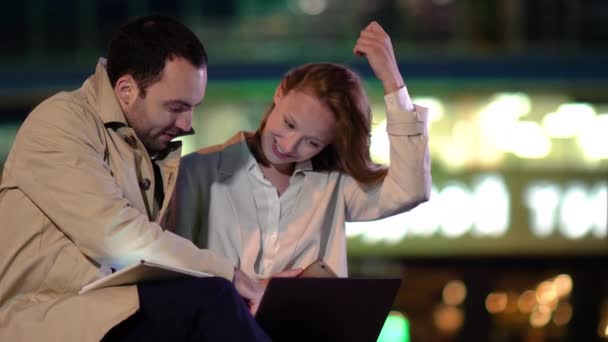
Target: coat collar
[[235, 154], [100, 91]]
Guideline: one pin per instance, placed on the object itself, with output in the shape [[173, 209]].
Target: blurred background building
[[513, 245]]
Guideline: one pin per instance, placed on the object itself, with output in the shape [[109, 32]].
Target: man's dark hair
[[143, 45]]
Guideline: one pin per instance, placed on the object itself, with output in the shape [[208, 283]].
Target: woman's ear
[[278, 93], [126, 90]]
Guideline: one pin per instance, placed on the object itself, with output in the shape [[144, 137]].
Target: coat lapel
[[100, 92], [169, 167]]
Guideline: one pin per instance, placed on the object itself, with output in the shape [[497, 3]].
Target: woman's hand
[[376, 46], [290, 273]]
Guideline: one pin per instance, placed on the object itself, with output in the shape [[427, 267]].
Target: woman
[[279, 198]]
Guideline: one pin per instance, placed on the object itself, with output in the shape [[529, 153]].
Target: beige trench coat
[[76, 198]]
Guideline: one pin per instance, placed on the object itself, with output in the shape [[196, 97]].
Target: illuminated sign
[[574, 211], [509, 210]]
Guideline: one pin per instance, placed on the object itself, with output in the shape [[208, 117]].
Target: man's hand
[[252, 290], [249, 289], [376, 46]]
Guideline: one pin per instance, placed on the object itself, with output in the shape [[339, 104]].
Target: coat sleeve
[[59, 163], [408, 182]]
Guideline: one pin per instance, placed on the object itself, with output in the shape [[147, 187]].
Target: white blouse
[[224, 203]]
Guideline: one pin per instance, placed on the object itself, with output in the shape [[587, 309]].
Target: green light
[[396, 328]]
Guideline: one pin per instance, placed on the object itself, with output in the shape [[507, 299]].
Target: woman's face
[[297, 129]]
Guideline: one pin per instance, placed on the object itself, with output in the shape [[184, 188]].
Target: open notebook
[[142, 271]]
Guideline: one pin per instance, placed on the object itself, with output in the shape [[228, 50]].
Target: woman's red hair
[[342, 91]]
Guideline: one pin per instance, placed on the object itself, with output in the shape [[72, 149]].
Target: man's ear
[[126, 90]]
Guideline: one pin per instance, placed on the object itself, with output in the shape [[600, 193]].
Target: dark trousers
[[189, 309]]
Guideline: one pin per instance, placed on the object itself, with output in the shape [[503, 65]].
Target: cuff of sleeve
[[407, 122]]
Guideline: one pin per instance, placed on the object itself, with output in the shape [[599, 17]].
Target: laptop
[[326, 309]]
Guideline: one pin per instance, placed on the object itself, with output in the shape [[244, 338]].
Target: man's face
[[166, 110]]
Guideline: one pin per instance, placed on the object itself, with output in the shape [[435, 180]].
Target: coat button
[[145, 184]]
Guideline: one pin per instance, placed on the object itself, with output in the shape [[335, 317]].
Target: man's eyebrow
[[181, 103]]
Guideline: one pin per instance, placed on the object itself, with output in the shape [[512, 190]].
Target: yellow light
[[496, 302], [454, 292], [545, 293], [496, 121], [592, 138], [507, 106], [540, 316], [455, 154], [569, 118], [457, 148], [448, 319], [380, 145], [558, 127], [563, 285], [562, 314], [528, 140], [526, 301]]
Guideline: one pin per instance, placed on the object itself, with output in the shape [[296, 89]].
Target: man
[[84, 188]]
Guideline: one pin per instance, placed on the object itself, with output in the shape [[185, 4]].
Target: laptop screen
[[326, 309]]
